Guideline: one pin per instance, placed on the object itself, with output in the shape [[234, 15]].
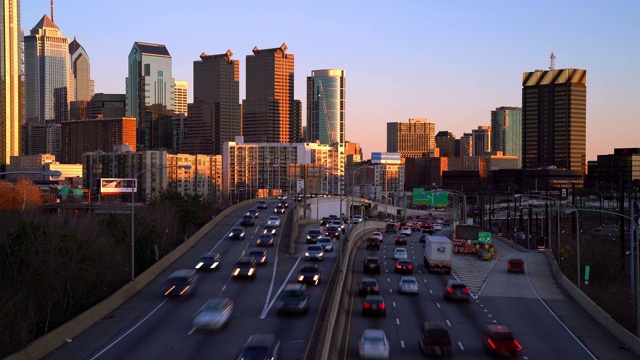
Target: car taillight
[[466, 291], [381, 306], [450, 290], [493, 346], [399, 266], [517, 344], [509, 266], [409, 266], [367, 305]]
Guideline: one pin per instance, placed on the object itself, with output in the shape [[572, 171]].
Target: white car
[[214, 314], [357, 219], [326, 243], [373, 345], [377, 234], [405, 231], [273, 221], [437, 227], [399, 253], [408, 284]]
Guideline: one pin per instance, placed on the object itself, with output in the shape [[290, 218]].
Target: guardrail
[[47, 343], [332, 331]]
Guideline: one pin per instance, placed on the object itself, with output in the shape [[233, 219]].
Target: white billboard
[[118, 186]]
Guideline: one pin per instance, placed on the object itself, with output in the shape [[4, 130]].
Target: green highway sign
[[430, 197], [587, 271], [77, 191], [484, 237], [64, 190]]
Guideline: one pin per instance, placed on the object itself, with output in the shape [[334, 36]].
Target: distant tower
[[552, 65], [181, 92], [411, 139], [9, 81], [81, 72], [326, 106]]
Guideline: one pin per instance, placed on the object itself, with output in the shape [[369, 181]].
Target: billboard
[[430, 197], [118, 186]]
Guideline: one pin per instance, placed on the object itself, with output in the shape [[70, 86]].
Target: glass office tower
[[326, 106]]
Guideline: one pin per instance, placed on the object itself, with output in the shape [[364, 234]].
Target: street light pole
[[558, 215], [464, 202], [133, 228]]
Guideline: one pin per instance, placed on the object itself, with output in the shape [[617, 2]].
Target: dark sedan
[[245, 267], [247, 220], [209, 261], [310, 274], [265, 240], [237, 233], [404, 267]]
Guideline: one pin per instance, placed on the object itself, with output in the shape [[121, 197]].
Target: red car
[[499, 341], [401, 240]]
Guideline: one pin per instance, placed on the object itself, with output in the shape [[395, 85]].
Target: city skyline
[[438, 61]]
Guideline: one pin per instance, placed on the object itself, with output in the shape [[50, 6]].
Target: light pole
[[558, 216], [464, 202], [133, 228]]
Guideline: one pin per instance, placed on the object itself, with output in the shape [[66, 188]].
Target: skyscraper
[[411, 139], [481, 143], [9, 80], [214, 115], [48, 79], [326, 106], [81, 72], [554, 117], [506, 131], [150, 91], [181, 95], [270, 113], [446, 142]]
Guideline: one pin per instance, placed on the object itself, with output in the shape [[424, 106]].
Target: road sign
[[64, 190], [484, 237], [587, 270], [430, 197]]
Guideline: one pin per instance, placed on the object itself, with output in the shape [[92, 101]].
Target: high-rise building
[[446, 142], [270, 113], [554, 119], [150, 91], [106, 106], [466, 145], [214, 115], [91, 135], [41, 139], [181, 92], [81, 72], [481, 143], [506, 131], [411, 139], [326, 106], [9, 81], [49, 85]]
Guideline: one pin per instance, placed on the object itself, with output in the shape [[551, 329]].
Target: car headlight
[[316, 277], [199, 265], [306, 253], [321, 254], [251, 271], [263, 259], [308, 237], [236, 272], [214, 265], [300, 277]]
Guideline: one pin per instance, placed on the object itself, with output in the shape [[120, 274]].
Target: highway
[[498, 297], [150, 326]]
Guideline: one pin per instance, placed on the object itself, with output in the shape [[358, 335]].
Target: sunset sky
[[449, 61]]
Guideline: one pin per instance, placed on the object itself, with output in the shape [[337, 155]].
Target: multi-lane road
[[150, 326], [518, 301]]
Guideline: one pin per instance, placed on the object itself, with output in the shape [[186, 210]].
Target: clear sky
[[449, 61]]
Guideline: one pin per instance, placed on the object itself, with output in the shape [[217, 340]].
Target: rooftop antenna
[[52, 10], [552, 65]]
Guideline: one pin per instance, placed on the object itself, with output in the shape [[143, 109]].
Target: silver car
[[373, 345], [326, 243], [408, 285], [214, 314], [314, 252]]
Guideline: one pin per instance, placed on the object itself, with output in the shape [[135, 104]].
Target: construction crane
[[332, 133]]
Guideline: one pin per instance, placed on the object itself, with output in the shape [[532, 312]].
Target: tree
[[27, 195]]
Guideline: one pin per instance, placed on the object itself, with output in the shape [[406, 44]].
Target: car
[[374, 305], [437, 227], [181, 283], [399, 253], [423, 238], [326, 243], [406, 231], [356, 219], [271, 230], [371, 265], [339, 224], [259, 255], [404, 266], [325, 221], [373, 344], [446, 223], [310, 274], [265, 240], [283, 203], [456, 291], [401, 240], [368, 286], [294, 298], [428, 229], [214, 314], [245, 267], [273, 220], [373, 243], [408, 285], [279, 209], [314, 252], [377, 234], [332, 232], [390, 228], [248, 220], [515, 265], [313, 235], [416, 226], [262, 204], [237, 232], [499, 341], [209, 261], [282, 197], [435, 339], [260, 347], [253, 212]]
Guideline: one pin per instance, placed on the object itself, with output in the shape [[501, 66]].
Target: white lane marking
[[438, 305], [448, 323], [460, 344], [273, 278], [388, 279], [402, 343], [390, 290], [394, 304], [397, 321], [431, 291], [265, 311], [425, 280], [192, 331], [130, 330], [224, 287]]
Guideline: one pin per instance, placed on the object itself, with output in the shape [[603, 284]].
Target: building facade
[[106, 106], [181, 95], [81, 72], [481, 141], [80, 136], [48, 78], [446, 143], [10, 81], [506, 130], [326, 106], [41, 139], [204, 178], [411, 139], [554, 118], [214, 115], [270, 113]]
